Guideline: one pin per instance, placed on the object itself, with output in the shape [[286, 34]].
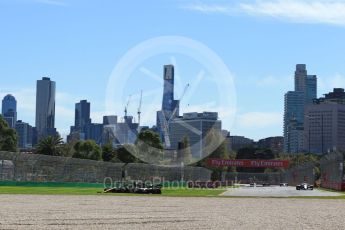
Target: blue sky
[[79, 42]]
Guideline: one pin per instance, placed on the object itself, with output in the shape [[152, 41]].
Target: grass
[[172, 192], [167, 192], [192, 192]]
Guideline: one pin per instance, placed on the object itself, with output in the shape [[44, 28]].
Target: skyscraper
[[82, 114], [311, 89], [9, 110], [81, 121], [294, 106], [25, 135], [45, 108], [300, 75], [293, 121], [305, 83], [170, 106]]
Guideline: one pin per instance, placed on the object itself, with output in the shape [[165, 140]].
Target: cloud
[[52, 2], [273, 81], [207, 8], [260, 119], [312, 11], [326, 84]]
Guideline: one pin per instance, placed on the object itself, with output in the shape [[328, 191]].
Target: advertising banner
[[248, 163]]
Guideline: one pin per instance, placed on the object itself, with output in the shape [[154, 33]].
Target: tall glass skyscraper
[[293, 121], [45, 108], [82, 114], [169, 105], [82, 121], [9, 110], [294, 106]]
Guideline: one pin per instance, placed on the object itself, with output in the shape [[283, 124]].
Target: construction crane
[[167, 121], [139, 108], [127, 105]]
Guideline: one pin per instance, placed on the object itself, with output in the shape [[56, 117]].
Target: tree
[[8, 137], [217, 146], [67, 149], [87, 150], [221, 153], [254, 153], [127, 154], [108, 152], [51, 145], [149, 146]]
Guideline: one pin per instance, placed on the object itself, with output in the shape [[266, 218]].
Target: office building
[[83, 128], [273, 143], [305, 83], [25, 135], [45, 108], [324, 128], [239, 142], [295, 103], [170, 106], [9, 110], [195, 126], [293, 120], [82, 121], [335, 97], [94, 131], [82, 115], [109, 120], [119, 133]]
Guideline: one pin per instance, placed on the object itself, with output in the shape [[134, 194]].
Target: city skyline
[[81, 62]]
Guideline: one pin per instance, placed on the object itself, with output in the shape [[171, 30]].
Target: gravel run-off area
[[139, 212]]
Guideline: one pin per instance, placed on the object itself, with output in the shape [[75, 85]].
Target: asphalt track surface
[[276, 191], [139, 212]]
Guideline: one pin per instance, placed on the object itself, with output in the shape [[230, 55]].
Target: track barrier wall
[[21, 167]]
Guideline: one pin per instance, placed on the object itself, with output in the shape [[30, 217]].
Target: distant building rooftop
[[204, 115], [337, 96]]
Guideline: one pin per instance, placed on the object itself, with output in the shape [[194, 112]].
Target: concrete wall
[[32, 167]]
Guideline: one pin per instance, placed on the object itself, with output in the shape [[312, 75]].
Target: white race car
[[304, 186]]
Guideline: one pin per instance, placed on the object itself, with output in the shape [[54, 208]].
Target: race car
[[304, 186], [252, 184]]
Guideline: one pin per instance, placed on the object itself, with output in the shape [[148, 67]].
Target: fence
[[41, 168], [292, 176], [299, 174], [246, 178], [332, 171]]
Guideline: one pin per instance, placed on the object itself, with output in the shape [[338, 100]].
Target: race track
[[277, 191]]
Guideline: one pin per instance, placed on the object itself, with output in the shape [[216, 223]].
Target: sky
[[80, 43]]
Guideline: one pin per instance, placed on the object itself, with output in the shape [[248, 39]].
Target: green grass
[[172, 192], [167, 192], [192, 192]]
